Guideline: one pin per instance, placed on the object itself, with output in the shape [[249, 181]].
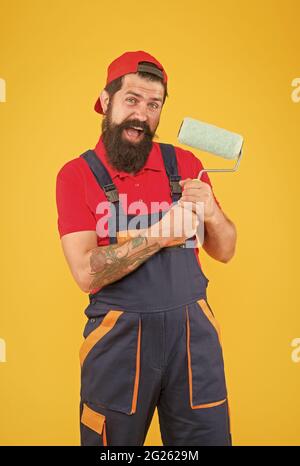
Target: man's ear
[[104, 99]]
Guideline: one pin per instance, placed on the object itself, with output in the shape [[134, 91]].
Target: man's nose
[[140, 113]]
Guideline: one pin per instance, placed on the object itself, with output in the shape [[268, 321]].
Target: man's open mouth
[[134, 133]]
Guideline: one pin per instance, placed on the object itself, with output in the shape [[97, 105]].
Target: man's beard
[[123, 154]]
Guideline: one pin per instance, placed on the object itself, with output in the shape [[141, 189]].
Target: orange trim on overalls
[[205, 405], [205, 308], [104, 435], [106, 325], [137, 372], [229, 416], [94, 421]]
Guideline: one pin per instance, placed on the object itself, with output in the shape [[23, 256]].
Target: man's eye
[[131, 99], [154, 105]]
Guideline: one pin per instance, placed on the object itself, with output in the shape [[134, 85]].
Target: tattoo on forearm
[[110, 263]]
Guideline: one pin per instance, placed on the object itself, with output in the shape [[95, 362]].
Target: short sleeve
[[73, 211]]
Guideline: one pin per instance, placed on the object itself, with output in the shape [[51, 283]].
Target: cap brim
[[98, 107]]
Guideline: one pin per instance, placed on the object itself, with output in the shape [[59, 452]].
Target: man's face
[[131, 121]]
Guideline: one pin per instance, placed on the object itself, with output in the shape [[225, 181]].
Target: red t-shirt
[[78, 193]]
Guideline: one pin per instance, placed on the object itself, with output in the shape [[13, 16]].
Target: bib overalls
[[151, 340]]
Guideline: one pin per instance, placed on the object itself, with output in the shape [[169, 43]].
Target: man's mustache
[[135, 123]]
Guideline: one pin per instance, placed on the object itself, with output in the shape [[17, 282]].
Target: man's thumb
[[182, 182]]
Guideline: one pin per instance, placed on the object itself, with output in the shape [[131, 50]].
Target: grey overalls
[[151, 340]]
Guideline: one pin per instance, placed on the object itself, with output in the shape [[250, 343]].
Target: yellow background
[[230, 63]]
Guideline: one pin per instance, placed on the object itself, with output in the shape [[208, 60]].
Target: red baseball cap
[[129, 62]]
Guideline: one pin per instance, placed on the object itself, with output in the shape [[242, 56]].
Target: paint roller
[[210, 138]]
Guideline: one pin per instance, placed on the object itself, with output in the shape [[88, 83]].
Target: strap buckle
[[174, 183], [111, 192]]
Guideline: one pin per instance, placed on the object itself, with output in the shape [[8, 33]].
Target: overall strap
[[102, 176], [104, 180], [170, 161]]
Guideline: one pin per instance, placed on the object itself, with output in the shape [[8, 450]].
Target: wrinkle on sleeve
[[73, 211]]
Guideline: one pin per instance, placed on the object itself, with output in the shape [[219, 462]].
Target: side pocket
[[110, 362], [206, 377], [209, 314], [96, 423]]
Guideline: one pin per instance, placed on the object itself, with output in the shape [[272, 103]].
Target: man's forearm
[[108, 264], [220, 237]]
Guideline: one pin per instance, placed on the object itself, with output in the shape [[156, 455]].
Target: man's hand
[[219, 231], [176, 226], [193, 191]]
